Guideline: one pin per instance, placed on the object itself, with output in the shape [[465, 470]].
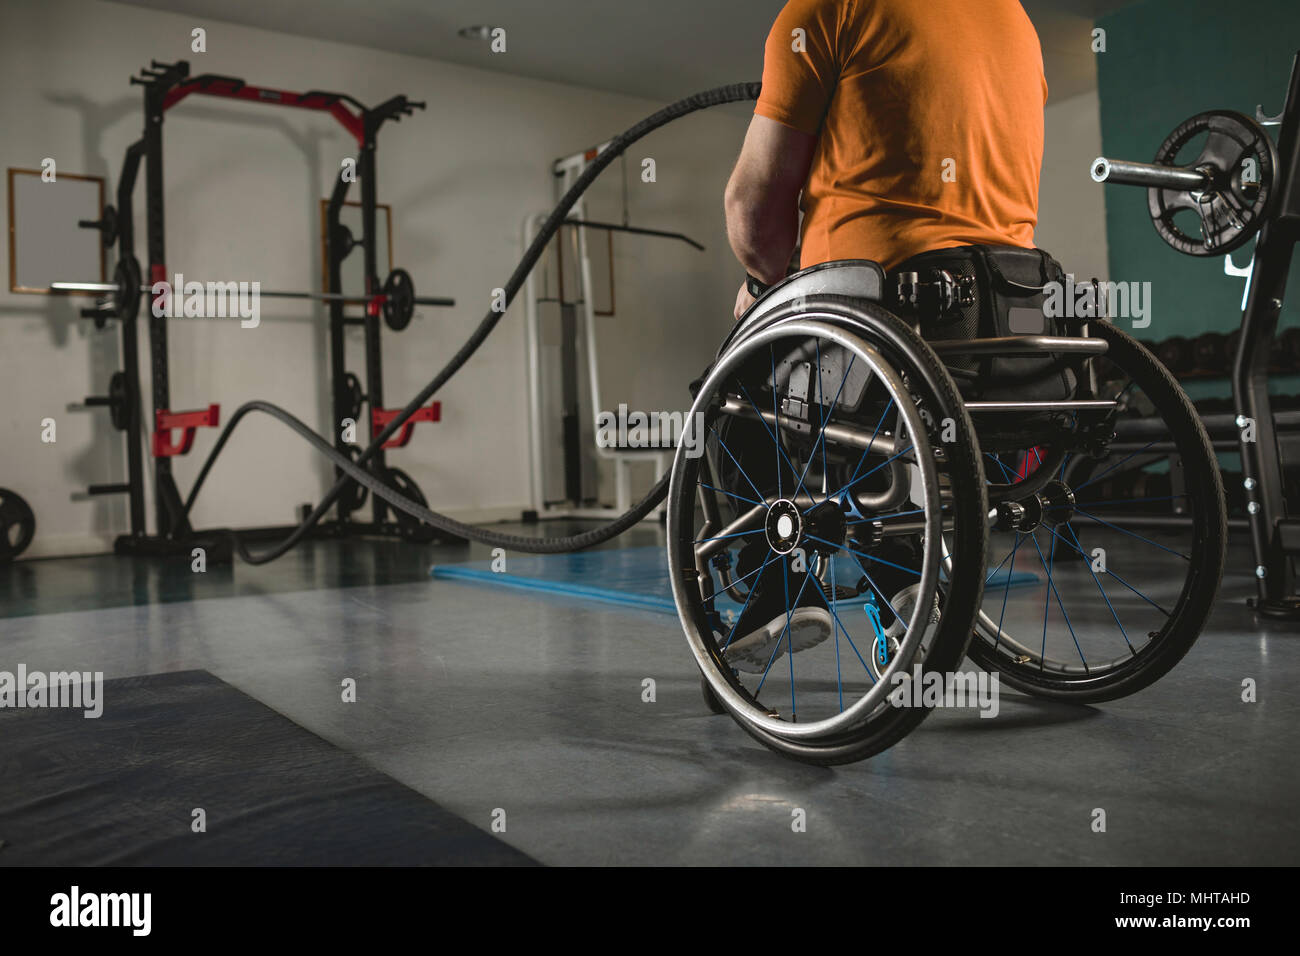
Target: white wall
[[1071, 207], [242, 188]]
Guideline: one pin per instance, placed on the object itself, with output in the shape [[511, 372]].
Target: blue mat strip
[[629, 577]]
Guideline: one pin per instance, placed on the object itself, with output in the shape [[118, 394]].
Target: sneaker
[[809, 626]]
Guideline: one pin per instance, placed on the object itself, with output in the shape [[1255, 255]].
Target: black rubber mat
[[121, 789]]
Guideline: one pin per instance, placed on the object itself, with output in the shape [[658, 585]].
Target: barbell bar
[[1229, 187], [397, 298]]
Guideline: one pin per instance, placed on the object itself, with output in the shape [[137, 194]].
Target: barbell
[[1229, 185], [397, 300]]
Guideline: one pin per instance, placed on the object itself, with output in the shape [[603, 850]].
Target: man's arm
[[762, 198]]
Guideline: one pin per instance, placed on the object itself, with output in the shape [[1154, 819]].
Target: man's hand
[[743, 300]]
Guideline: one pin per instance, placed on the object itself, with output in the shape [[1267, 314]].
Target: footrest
[[380, 417], [165, 421]]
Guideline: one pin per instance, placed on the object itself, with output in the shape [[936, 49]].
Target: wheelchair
[[892, 473]]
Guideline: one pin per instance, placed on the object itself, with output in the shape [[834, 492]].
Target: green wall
[[1165, 61]]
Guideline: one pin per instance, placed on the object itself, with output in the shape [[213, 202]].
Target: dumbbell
[[1175, 353], [1210, 352], [1287, 349]]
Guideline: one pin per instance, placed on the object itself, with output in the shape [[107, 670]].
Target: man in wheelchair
[[909, 457], [910, 142]]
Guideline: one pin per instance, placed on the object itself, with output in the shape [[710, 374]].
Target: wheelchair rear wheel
[[805, 539], [1102, 580]]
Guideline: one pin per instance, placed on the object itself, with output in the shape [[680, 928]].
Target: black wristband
[[756, 288]]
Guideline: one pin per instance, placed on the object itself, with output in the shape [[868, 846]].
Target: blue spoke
[[1131, 534], [830, 602], [825, 469], [821, 437], [861, 555], [1098, 477], [723, 491], [776, 420], [998, 461], [1006, 593], [1052, 592], [875, 587], [751, 573], [745, 607], [1104, 596], [785, 571], [1000, 563], [734, 461], [1111, 574], [840, 491], [763, 421], [866, 451]]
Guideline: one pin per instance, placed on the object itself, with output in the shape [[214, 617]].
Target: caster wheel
[[710, 699]]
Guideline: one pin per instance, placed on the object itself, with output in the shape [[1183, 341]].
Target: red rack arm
[[165, 421], [380, 417]]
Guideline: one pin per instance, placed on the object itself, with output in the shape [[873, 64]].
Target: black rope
[[738, 92]]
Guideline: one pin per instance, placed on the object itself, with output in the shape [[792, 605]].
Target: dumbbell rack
[[165, 85], [1274, 528]]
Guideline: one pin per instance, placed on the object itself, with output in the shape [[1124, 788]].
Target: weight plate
[[17, 525], [1209, 352], [126, 300], [108, 226], [352, 385], [344, 242], [1175, 353], [354, 494], [411, 528], [1241, 160], [399, 299], [119, 401]]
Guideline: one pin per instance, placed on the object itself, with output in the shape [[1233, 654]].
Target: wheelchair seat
[[953, 294]]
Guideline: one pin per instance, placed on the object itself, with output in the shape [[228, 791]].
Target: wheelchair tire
[[1131, 485], [869, 725]]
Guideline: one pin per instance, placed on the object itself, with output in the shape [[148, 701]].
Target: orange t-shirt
[[929, 118]]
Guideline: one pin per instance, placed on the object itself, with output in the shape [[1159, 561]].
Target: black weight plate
[[1231, 210], [1209, 352], [352, 385], [17, 525], [399, 300], [1175, 353], [411, 528], [354, 494], [108, 226], [126, 300], [119, 401]]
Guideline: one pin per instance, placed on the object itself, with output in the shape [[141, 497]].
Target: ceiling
[[660, 50]]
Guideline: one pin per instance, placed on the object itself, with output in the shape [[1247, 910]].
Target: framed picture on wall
[[45, 243]]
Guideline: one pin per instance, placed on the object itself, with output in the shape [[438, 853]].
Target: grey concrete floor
[[484, 699]]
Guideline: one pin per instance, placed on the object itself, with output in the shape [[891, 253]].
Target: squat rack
[[165, 85]]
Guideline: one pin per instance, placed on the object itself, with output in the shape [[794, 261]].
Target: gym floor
[[482, 698]]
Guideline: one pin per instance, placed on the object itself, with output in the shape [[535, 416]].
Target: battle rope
[[734, 93]]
